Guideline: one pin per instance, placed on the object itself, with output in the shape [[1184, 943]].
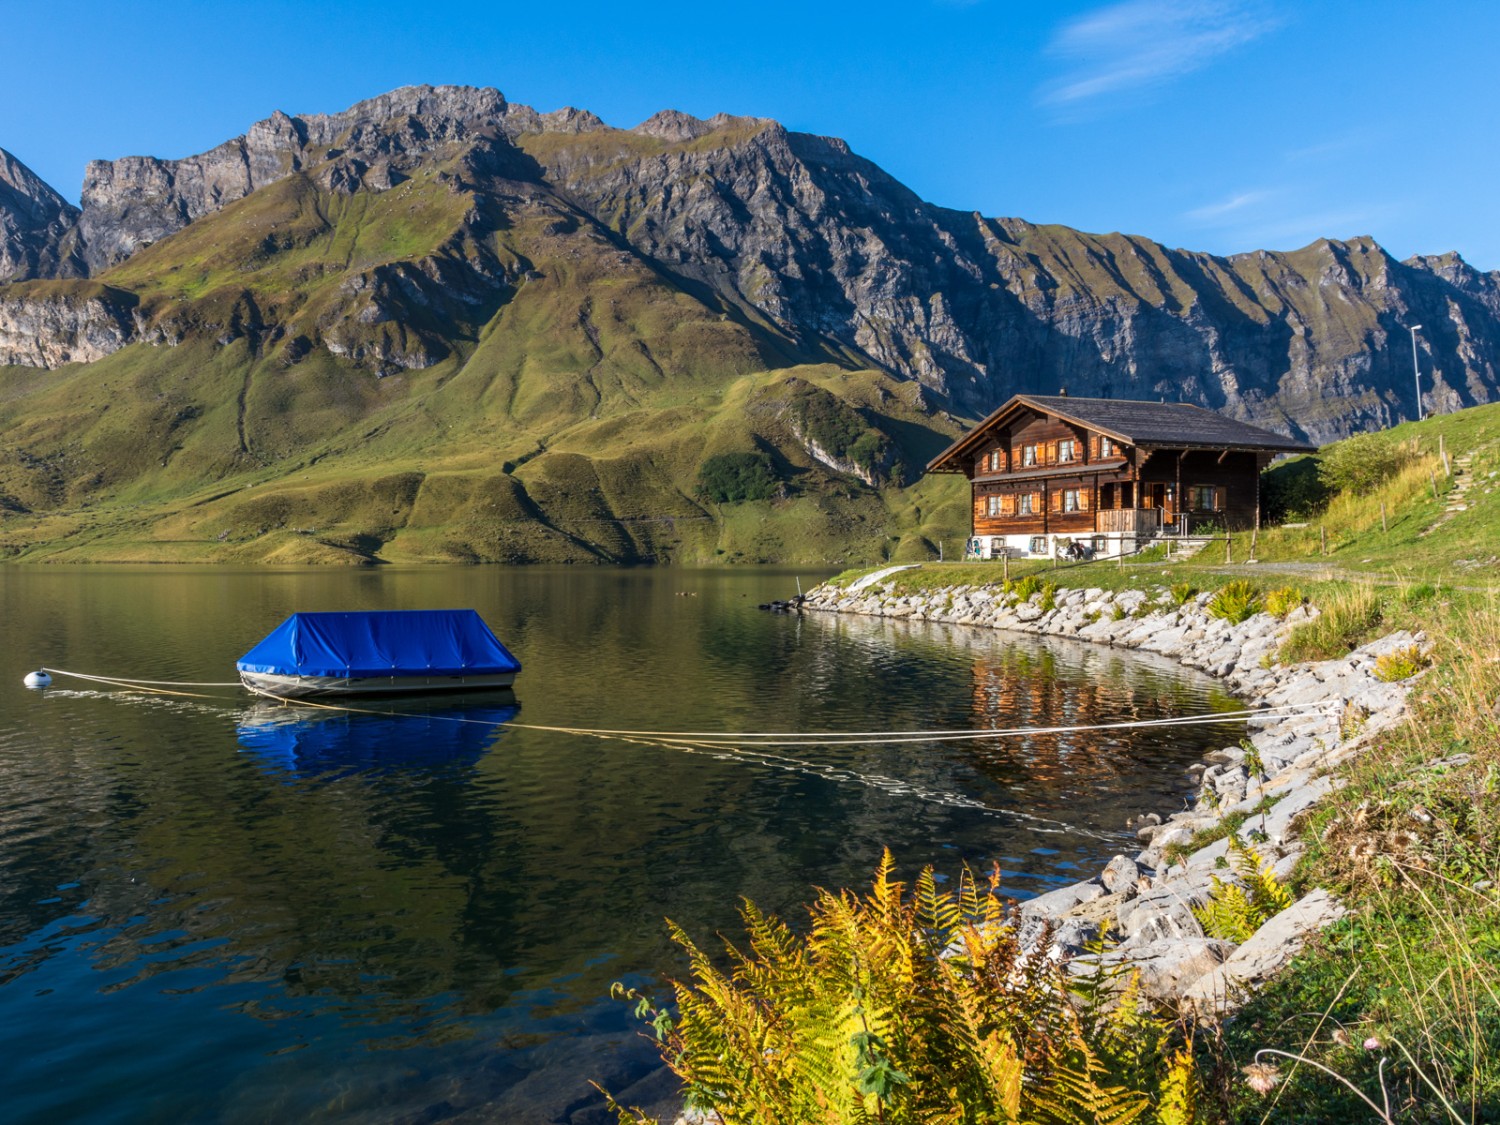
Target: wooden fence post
[[1322, 539], [1384, 529]]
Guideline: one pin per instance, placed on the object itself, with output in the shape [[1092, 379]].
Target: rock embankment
[[1314, 717]]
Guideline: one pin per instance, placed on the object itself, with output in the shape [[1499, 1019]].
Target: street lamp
[[1416, 373]]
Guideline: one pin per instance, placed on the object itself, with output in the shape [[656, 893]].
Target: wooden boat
[[378, 652]]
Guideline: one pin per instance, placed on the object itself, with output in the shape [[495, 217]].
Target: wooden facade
[[1044, 468]]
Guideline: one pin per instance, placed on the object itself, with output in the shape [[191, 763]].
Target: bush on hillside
[[727, 478], [843, 432], [1360, 463], [1292, 490]]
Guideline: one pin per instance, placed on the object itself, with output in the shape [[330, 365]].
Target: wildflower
[[1262, 1077], [1341, 1037], [1373, 1044]]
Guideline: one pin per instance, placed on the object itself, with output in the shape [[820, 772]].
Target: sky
[[1216, 125]]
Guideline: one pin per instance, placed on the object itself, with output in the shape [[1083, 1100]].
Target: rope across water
[[736, 738]]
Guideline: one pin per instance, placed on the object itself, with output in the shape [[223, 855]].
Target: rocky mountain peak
[[674, 126], [35, 225]]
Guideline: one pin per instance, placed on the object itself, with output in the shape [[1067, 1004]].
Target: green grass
[[1413, 847]]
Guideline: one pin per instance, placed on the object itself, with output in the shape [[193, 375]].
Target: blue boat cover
[[399, 642]]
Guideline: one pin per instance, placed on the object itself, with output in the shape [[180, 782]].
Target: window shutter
[[979, 507], [1057, 501], [1052, 453], [1221, 498], [1007, 505], [1083, 499]]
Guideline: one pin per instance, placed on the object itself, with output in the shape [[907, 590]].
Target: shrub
[[906, 1007], [1235, 602], [1025, 587], [1292, 489], [728, 478], [1183, 592], [1401, 664], [1048, 600], [844, 432], [1359, 463], [1281, 602]]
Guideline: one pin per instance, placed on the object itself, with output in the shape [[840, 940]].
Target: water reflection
[[276, 891], [329, 742]]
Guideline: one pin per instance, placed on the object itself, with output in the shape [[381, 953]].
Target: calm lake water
[[215, 909]]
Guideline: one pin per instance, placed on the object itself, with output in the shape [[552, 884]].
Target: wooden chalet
[[1110, 474]]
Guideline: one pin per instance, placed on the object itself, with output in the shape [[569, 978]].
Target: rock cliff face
[[37, 238], [816, 248], [43, 325]]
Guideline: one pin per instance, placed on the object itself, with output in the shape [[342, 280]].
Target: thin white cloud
[[1144, 43], [1230, 208], [1293, 231]]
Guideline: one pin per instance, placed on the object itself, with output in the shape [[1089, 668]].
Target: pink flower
[[1373, 1044]]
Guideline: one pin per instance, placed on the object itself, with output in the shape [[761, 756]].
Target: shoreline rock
[[1315, 717]]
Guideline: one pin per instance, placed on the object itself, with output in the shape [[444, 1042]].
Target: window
[[1038, 545], [1067, 450], [1028, 456], [994, 461], [1028, 503], [1106, 447], [994, 506], [1070, 500], [1205, 498], [1101, 545]]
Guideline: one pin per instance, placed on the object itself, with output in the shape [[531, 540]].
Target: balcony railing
[[1140, 523]]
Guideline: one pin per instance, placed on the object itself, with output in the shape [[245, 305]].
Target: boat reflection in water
[[380, 737]]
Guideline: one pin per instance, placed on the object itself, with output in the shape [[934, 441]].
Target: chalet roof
[[1150, 425]]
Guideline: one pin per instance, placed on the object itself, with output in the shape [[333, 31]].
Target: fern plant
[[1236, 601], [1183, 592], [1234, 911], [1282, 601], [909, 1006], [1048, 601]]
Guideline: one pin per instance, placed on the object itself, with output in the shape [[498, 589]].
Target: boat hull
[[307, 687]]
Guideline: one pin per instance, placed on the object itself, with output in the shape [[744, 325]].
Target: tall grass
[[1412, 844], [1352, 514], [1348, 616]]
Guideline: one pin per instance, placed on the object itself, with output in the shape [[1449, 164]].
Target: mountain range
[[440, 325]]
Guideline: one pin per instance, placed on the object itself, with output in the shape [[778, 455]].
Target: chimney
[[1062, 392]]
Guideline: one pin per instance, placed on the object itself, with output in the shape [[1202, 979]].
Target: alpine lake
[[218, 908]]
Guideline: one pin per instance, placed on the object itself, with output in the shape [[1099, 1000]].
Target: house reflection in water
[[1024, 686]]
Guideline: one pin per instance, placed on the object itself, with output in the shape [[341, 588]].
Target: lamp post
[[1416, 373]]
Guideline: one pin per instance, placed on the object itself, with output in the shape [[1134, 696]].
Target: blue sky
[[1219, 125]]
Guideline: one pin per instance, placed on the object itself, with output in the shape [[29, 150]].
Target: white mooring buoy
[[38, 679]]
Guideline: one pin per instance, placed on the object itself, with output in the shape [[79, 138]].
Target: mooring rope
[[157, 687], [717, 739]]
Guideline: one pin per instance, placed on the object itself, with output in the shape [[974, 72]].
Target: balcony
[[1138, 523]]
